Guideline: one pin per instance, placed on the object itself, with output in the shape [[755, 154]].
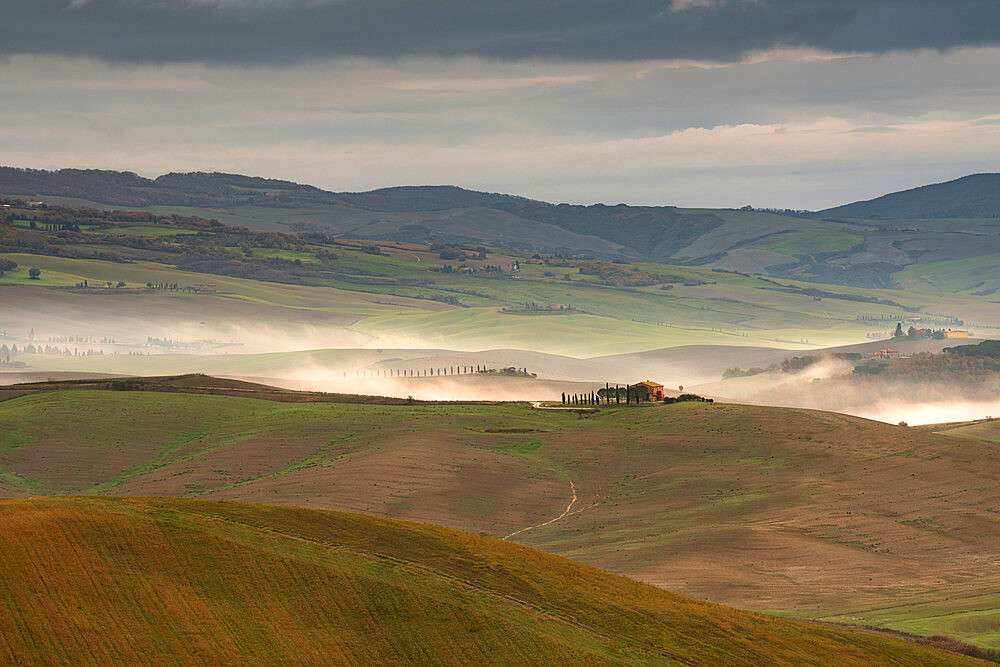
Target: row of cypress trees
[[427, 372], [606, 395]]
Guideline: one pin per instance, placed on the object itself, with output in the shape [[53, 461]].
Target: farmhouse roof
[[648, 383]]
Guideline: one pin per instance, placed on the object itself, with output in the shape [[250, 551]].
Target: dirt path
[[572, 488], [538, 406]]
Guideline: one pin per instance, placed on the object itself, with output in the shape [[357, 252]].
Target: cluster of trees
[[622, 275], [450, 299], [737, 372], [55, 227], [883, 317], [971, 365], [165, 343], [107, 284], [75, 338], [627, 394], [6, 265], [16, 239], [609, 394], [8, 353], [913, 332], [487, 270], [790, 365], [687, 398], [65, 218], [65, 243], [246, 239], [988, 349], [550, 308], [455, 251]]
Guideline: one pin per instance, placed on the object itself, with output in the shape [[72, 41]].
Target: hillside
[[131, 277], [975, 196], [817, 515], [89, 581], [848, 246]]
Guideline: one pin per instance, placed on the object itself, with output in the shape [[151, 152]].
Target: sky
[[771, 103]]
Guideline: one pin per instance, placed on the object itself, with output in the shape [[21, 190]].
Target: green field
[[385, 309], [807, 243], [960, 275], [796, 512]]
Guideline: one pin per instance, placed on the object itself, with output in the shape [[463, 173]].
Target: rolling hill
[[975, 196], [115, 277], [847, 245], [802, 513], [91, 581]]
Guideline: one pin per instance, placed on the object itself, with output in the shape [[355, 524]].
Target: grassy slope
[[957, 275], [94, 581], [798, 512], [780, 233]]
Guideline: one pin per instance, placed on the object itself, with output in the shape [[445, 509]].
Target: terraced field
[[209, 582], [796, 512]]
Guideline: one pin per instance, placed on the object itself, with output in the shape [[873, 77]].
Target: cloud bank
[[291, 31]]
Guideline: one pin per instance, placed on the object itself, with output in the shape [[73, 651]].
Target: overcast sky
[[801, 104]]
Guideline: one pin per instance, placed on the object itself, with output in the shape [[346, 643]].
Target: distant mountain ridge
[[974, 196], [426, 198], [854, 244], [633, 232], [122, 188]]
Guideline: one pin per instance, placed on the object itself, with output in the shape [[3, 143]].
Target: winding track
[[572, 488]]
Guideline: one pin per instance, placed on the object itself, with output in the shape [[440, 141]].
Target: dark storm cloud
[[277, 31]]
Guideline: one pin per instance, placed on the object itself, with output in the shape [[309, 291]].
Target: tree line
[[439, 372]]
